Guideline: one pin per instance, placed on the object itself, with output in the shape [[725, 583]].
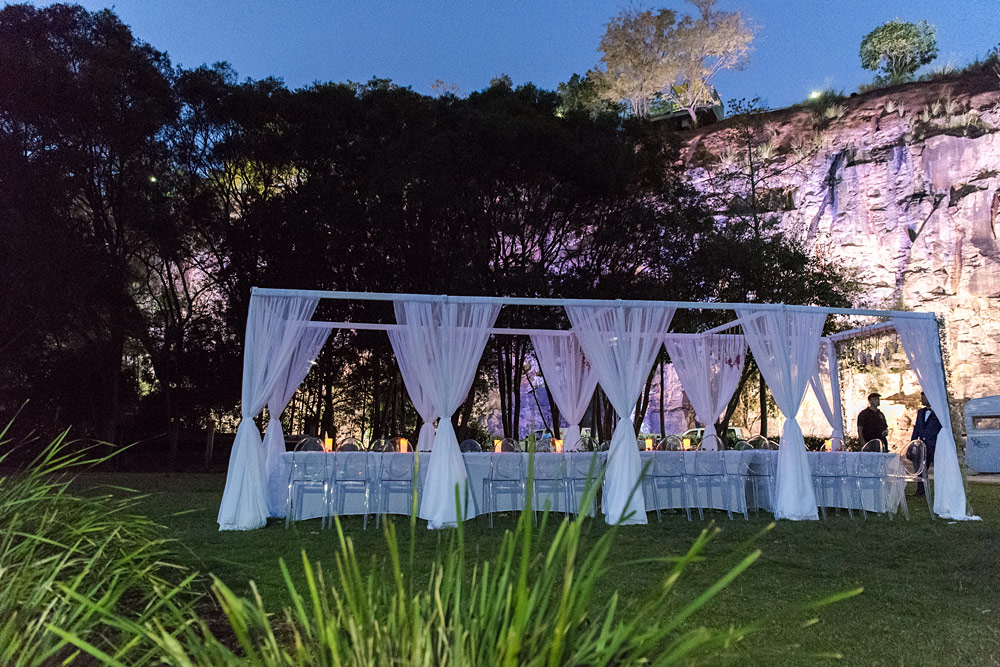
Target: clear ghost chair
[[832, 481], [396, 477], [872, 475], [709, 474], [756, 475], [668, 473], [380, 445], [506, 478], [583, 474], [470, 445], [914, 461], [309, 474], [588, 443], [356, 473], [874, 445], [549, 479]]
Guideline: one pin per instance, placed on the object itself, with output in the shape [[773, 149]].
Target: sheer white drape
[[310, 343], [822, 382], [569, 377], [621, 343], [922, 346], [709, 368], [410, 368], [442, 342], [785, 345], [274, 326]]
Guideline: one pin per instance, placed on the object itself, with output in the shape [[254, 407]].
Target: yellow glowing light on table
[[496, 445], [649, 444], [404, 445], [558, 445], [328, 444], [828, 445], [687, 443]]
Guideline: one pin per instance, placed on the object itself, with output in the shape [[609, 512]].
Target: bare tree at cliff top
[[650, 54]]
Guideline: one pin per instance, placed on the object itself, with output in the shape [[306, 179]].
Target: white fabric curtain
[[709, 368], [274, 326], [923, 350], [310, 343], [420, 395], [570, 378], [442, 342], [621, 343], [822, 383], [785, 345]]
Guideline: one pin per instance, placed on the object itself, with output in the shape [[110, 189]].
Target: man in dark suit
[[926, 428], [871, 422]]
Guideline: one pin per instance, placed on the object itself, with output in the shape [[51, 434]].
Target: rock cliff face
[[852, 179]]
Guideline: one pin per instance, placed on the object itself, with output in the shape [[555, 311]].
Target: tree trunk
[[663, 427]]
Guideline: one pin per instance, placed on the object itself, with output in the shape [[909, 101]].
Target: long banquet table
[[737, 493]]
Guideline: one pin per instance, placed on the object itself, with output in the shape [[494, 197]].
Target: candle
[[687, 443], [649, 444], [328, 444], [404, 445], [496, 445], [558, 444]]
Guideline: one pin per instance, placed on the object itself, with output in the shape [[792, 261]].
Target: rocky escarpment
[[859, 179]]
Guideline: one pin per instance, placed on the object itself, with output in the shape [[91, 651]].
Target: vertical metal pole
[[838, 408]]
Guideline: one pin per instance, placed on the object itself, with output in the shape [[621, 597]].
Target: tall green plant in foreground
[[531, 604], [67, 562]]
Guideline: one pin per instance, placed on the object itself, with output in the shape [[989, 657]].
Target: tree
[[703, 47], [899, 48], [636, 50], [651, 55]]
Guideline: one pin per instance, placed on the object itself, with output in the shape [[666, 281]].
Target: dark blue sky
[[802, 44]]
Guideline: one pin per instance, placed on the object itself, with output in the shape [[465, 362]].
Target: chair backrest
[[605, 446], [872, 466], [669, 465], [671, 443], [875, 445], [349, 445], [394, 444], [829, 464], [309, 465], [506, 467], [397, 467], [582, 467], [470, 445], [354, 466], [742, 445], [914, 456], [310, 443], [549, 467], [380, 445], [709, 463], [588, 443], [509, 445]]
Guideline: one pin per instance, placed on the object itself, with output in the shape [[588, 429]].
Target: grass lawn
[[931, 588]]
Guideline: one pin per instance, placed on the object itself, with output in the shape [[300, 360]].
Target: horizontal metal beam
[[559, 302]]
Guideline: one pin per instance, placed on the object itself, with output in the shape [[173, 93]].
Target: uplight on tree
[[898, 49]]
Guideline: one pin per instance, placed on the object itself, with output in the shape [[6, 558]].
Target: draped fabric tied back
[[785, 345], [310, 344], [570, 379], [922, 346], [709, 367], [275, 325], [621, 343], [441, 343], [822, 383]]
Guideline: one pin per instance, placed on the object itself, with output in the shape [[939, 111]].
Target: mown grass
[[931, 589]]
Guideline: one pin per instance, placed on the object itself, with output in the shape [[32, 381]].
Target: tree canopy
[[651, 55], [899, 49]]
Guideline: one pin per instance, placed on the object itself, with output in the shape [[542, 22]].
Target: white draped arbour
[[438, 342]]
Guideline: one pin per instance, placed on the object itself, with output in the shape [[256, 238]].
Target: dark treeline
[[140, 202]]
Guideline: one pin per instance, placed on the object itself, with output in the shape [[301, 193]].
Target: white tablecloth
[[735, 493]]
